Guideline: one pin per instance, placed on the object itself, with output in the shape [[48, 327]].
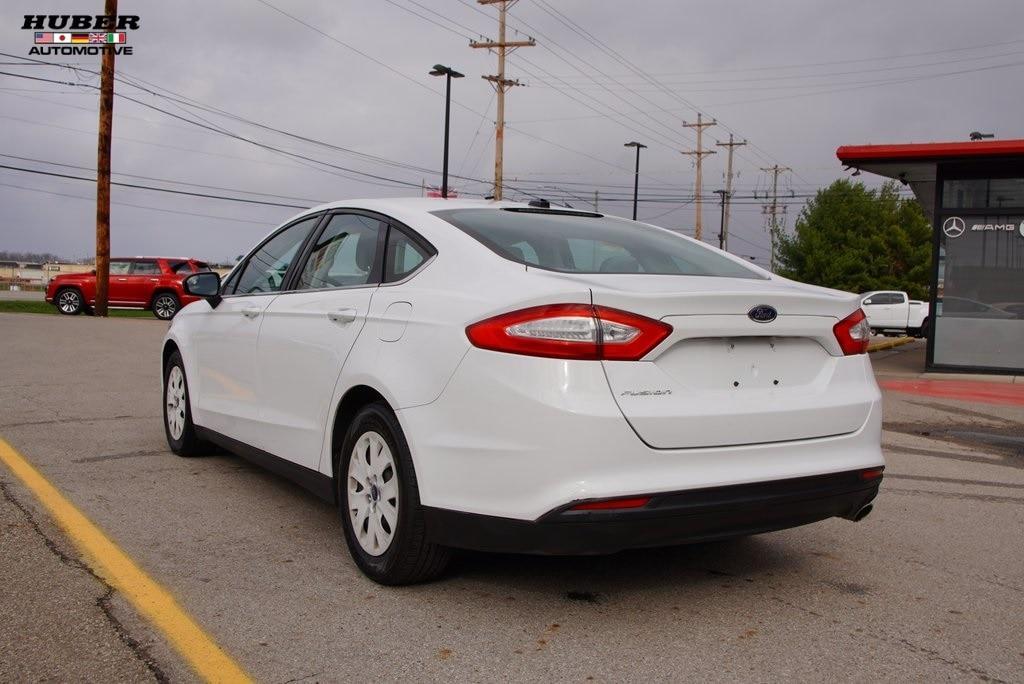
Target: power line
[[136, 206], [138, 186]]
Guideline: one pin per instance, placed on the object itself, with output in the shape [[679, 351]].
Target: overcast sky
[[797, 78]]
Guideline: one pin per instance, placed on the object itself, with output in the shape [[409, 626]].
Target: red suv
[[152, 283]]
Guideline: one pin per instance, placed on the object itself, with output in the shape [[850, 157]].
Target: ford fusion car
[[518, 378]]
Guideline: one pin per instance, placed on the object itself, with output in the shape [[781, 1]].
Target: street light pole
[[449, 74], [636, 174], [721, 226]]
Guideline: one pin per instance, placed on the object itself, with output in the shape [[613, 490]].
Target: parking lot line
[[117, 568]]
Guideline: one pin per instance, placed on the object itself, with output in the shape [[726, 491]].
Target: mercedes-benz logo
[[953, 227]]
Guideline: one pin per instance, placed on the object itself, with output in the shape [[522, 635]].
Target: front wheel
[[165, 305], [69, 302], [379, 503]]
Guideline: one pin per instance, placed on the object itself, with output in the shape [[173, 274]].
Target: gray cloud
[[248, 59]]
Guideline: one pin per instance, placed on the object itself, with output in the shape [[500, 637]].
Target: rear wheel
[[178, 426], [379, 503], [69, 301], [165, 305]]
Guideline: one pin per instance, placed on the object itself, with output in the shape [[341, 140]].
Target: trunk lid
[[722, 378]]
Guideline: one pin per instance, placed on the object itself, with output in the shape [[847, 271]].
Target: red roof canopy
[[859, 154]]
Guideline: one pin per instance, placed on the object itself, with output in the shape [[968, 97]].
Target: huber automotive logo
[[79, 34], [762, 313], [953, 227]]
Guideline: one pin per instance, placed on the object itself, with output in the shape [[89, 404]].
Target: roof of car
[[384, 205]]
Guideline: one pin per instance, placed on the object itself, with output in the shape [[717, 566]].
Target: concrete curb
[[889, 344]]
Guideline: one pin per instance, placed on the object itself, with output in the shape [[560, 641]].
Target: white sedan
[[509, 377]]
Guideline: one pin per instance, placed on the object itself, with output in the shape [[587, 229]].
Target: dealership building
[[973, 192]]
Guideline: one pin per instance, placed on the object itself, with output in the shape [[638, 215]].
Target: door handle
[[251, 311], [343, 316]]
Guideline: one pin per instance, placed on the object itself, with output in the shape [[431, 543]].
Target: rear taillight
[[570, 331], [853, 333]]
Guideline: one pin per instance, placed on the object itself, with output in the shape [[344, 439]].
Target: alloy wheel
[[176, 402], [165, 307], [373, 493], [69, 301]]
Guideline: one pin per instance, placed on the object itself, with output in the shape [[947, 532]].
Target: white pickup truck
[[891, 312]]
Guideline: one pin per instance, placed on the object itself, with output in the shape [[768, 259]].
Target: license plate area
[[744, 363]]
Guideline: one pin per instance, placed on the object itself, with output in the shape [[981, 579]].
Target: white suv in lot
[[509, 377]]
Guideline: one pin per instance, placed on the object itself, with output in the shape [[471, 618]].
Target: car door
[[225, 339], [119, 283], [309, 331], [143, 277], [878, 309]]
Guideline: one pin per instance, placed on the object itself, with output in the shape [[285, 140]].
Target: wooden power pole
[[773, 209], [103, 170], [500, 83], [727, 198], [699, 153]]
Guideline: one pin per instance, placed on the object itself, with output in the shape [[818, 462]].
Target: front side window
[[577, 242], [344, 255], [266, 268], [120, 267]]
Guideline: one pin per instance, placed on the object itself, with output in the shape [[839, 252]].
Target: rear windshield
[[590, 243]]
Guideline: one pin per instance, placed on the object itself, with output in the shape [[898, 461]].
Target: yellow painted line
[[889, 344], [115, 567]]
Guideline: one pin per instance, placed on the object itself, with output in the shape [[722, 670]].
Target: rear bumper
[[670, 518]]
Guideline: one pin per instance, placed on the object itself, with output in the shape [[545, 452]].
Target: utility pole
[[595, 200], [775, 170], [500, 83], [727, 197], [699, 153], [103, 170]]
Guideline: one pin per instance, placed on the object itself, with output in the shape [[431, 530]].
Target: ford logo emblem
[[762, 313]]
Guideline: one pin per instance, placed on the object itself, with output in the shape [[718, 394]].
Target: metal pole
[[103, 170], [721, 224], [636, 181], [447, 119]]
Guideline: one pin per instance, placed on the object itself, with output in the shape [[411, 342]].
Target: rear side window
[[344, 254], [590, 243], [145, 268], [403, 257]]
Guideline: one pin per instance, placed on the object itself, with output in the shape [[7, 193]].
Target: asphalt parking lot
[[929, 587]]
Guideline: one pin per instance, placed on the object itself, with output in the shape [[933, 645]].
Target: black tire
[[69, 301], [923, 330], [187, 443], [411, 557], [165, 305]]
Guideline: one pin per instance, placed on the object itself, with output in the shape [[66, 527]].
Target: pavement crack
[[902, 642], [103, 602], [303, 678], [66, 421], [988, 498]]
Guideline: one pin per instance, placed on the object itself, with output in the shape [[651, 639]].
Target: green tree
[[854, 239]]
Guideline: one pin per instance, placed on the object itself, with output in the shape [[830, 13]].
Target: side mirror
[[205, 285], [92, 272]]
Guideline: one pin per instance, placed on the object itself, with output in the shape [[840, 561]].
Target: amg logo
[[646, 393], [1008, 227], [80, 22]]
